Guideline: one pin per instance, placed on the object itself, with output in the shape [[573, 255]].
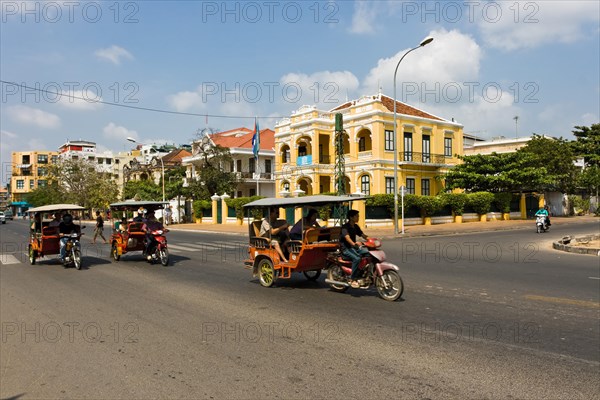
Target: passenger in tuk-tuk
[[279, 235], [36, 224], [56, 221], [310, 221]]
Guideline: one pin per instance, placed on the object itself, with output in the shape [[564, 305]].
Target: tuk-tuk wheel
[[312, 275], [32, 255], [266, 273], [114, 252]]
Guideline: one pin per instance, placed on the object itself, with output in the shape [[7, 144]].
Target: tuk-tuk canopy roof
[[134, 205], [56, 207], [318, 200]]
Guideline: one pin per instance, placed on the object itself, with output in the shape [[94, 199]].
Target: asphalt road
[[492, 315]]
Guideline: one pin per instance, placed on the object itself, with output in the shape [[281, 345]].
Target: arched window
[[365, 185], [285, 154]]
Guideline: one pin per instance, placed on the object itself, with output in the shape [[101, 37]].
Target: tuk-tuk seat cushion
[[50, 231]]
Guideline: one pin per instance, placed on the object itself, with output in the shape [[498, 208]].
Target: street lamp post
[[424, 42], [162, 166]]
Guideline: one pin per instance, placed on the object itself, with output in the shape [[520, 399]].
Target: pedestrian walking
[[99, 228]]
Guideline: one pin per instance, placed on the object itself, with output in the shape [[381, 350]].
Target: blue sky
[[489, 62]]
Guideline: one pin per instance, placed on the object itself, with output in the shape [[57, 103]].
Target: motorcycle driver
[[350, 247], [544, 211], [151, 224], [65, 228]]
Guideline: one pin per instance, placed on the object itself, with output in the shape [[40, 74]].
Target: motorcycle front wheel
[[163, 254], [76, 254], [389, 285], [335, 273]]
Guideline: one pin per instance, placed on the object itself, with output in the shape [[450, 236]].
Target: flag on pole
[[256, 140]]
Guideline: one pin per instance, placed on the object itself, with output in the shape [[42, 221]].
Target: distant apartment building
[[257, 174], [305, 148], [29, 171], [149, 161]]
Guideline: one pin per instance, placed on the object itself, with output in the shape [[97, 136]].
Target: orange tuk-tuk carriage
[[44, 239], [308, 255], [127, 234]]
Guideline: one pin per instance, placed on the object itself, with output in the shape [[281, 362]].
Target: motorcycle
[[72, 250], [541, 223], [372, 270], [159, 251]]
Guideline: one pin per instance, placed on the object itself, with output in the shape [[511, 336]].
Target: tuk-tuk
[[44, 239], [127, 234], [307, 255]]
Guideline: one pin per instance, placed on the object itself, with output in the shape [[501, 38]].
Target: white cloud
[[186, 101], [452, 57], [364, 17], [324, 88], [115, 132], [80, 100], [526, 24], [33, 116], [113, 54]]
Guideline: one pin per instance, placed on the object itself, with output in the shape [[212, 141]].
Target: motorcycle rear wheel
[[334, 273], [395, 286]]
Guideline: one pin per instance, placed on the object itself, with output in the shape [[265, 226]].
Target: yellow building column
[[224, 208], [541, 201], [360, 206]]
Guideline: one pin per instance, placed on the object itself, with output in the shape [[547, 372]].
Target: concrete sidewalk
[[409, 231]]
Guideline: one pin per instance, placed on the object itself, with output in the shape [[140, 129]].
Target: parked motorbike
[[73, 250], [372, 270], [541, 223], [159, 251]]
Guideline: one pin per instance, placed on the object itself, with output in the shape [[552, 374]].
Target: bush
[[481, 202], [200, 206], [456, 201], [502, 201], [429, 205], [238, 205]]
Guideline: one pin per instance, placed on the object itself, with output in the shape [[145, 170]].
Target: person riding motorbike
[[350, 247], [544, 211], [149, 226], [65, 228]]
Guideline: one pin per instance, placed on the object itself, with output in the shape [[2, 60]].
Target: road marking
[[183, 248], [6, 259], [593, 277], [562, 300]]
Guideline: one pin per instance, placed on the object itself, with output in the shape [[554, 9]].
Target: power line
[[157, 110]]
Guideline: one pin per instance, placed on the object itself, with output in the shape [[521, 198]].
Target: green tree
[[506, 172], [49, 194], [556, 156], [214, 177], [83, 184], [145, 190], [587, 144]]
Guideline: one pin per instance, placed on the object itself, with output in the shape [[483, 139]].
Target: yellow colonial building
[[305, 148], [29, 170]]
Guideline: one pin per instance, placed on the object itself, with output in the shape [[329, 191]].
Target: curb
[[564, 245]]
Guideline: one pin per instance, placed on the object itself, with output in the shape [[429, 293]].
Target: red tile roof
[[174, 157], [242, 138], [401, 108]]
